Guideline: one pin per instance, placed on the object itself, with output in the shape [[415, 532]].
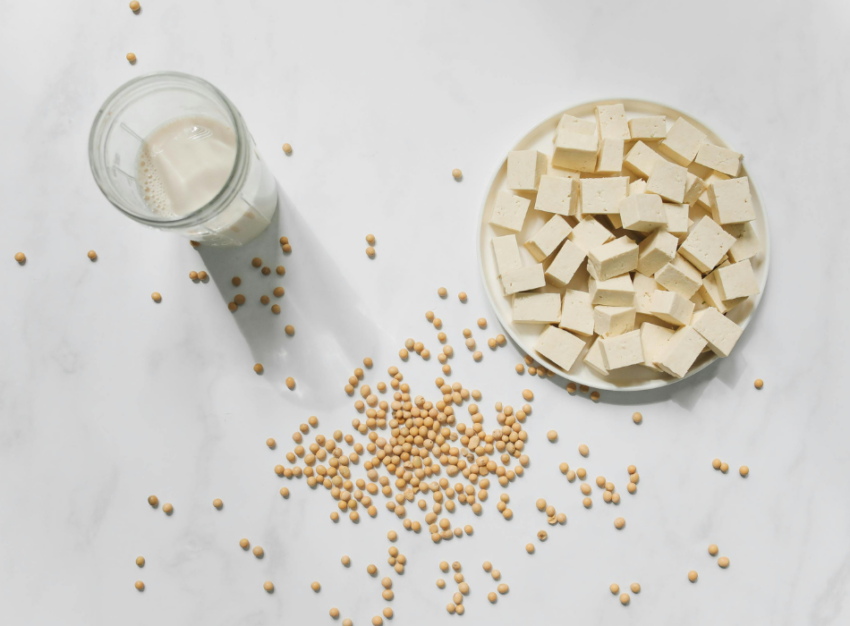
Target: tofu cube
[[622, 350], [610, 158], [617, 291], [536, 308], [559, 172], [563, 267], [747, 244], [577, 312], [593, 358], [603, 195], [643, 212], [575, 151], [525, 167], [506, 251], [611, 119], [720, 159], [737, 280], [637, 186], [613, 259], [609, 321], [509, 211], [652, 128], [546, 240], [682, 143], [704, 202], [731, 202], [523, 279], [653, 339], [678, 221], [706, 245], [719, 331], [681, 351], [671, 307], [656, 251], [694, 188], [709, 292], [680, 277], [589, 234], [557, 195], [668, 180], [576, 125], [641, 159], [644, 287], [559, 346]]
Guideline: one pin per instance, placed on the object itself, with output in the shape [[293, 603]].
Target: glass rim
[[203, 213]]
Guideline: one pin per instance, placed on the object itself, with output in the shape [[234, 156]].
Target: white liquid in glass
[[185, 163]]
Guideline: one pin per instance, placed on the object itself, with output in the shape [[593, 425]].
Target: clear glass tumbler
[[241, 209]]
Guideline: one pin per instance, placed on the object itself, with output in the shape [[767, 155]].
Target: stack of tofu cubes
[[663, 223]]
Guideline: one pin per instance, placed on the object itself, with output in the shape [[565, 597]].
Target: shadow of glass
[[314, 302]]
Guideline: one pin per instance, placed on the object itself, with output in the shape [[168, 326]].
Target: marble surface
[[106, 398]]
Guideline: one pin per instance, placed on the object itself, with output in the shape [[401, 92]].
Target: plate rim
[[597, 382]]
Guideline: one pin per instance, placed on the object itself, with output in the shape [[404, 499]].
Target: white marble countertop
[[106, 398]]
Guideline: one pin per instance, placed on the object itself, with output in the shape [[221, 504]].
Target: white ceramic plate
[[631, 378]]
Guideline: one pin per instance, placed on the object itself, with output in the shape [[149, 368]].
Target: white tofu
[[653, 339], [668, 180], [576, 125], [680, 277], [622, 350], [731, 202], [706, 245], [704, 202], [719, 331], [589, 233], [720, 159], [506, 251], [737, 280], [694, 188], [642, 159], [656, 251], [525, 167], [575, 151], [523, 279], [615, 220], [637, 186], [671, 307], [609, 321], [577, 312], [681, 351], [617, 291], [560, 172], [546, 240], [559, 346], [611, 119], [644, 287], [593, 358], [613, 259], [682, 143], [603, 195], [557, 195], [651, 128], [710, 294], [610, 158], [536, 308], [566, 263], [678, 221], [747, 244], [643, 212], [509, 211]]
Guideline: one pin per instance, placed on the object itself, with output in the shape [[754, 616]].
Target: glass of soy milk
[[171, 151]]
